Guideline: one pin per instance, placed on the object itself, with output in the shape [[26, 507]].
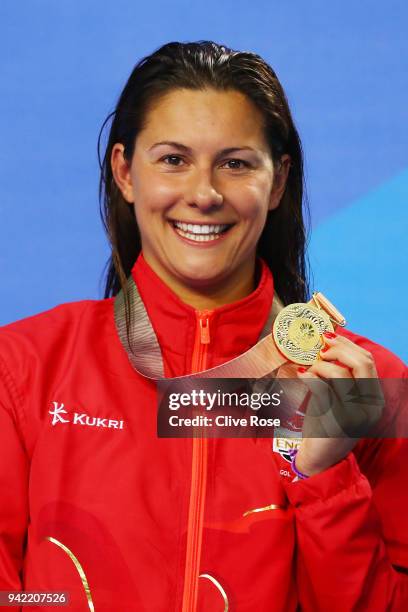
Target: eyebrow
[[181, 147]]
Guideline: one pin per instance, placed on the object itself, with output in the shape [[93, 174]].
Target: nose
[[201, 193]]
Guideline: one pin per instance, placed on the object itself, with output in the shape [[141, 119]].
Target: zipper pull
[[204, 320]]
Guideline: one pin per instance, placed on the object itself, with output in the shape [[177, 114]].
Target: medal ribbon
[[263, 360]]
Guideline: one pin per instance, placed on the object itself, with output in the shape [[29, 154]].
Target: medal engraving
[[297, 332], [303, 333]]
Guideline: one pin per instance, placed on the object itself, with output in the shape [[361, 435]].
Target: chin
[[199, 279]]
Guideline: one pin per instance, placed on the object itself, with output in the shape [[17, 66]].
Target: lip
[[200, 222], [201, 245]]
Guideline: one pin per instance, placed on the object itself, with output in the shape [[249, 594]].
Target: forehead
[[215, 115]]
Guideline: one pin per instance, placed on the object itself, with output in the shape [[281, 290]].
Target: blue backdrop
[[343, 65]]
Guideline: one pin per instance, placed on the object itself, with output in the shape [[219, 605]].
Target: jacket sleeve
[[13, 485], [352, 536]]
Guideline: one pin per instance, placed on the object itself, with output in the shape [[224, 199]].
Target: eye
[[172, 158], [244, 164]]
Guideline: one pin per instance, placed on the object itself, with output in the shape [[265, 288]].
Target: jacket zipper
[[198, 476]]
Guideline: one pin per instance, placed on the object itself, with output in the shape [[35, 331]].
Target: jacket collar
[[234, 329]]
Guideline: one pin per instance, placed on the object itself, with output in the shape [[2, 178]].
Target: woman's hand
[[352, 407]]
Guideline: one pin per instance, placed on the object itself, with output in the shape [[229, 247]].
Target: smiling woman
[[202, 199], [211, 132]]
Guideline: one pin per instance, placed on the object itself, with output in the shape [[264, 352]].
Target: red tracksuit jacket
[[94, 503]]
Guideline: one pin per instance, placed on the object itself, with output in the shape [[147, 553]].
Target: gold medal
[[298, 328]]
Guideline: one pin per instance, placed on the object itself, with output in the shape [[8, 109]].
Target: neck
[[209, 297]]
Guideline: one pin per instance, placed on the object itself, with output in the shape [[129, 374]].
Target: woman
[[202, 190]]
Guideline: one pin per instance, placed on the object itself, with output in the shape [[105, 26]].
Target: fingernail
[[329, 334], [302, 370], [324, 349]]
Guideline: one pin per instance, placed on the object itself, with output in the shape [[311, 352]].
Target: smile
[[200, 232]]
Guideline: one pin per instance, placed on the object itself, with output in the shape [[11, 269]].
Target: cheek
[[251, 202], [153, 199], [152, 191]]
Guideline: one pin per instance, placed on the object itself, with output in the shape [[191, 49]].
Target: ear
[[280, 177], [121, 172]]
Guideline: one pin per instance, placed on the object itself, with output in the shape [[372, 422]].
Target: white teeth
[[198, 237], [206, 230]]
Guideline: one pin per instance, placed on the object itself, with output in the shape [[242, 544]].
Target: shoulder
[[51, 332], [65, 317], [387, 363], [56, 315]]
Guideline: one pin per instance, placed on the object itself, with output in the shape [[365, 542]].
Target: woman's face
[[201, 181]]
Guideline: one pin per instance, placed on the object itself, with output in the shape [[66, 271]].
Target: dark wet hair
[[200, 65]]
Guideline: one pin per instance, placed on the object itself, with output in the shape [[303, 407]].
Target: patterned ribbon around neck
[[142, 347]]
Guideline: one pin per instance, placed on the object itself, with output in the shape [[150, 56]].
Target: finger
[[328, 369], [329, 336], [356, 404], [323, 413], [360, 361], [318, 378]]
